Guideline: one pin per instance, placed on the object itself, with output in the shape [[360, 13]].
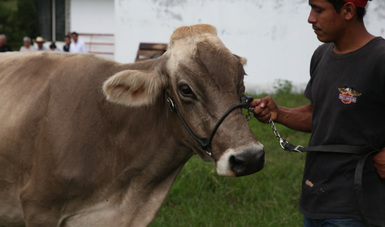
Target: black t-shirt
[[5, 48], [348, 96]]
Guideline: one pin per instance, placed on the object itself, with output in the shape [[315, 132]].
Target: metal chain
[[249, 111], [282, 141]]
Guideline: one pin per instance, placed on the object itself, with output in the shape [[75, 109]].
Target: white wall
[[273, 35], [92, 16]]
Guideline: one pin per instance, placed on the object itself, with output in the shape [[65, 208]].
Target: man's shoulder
[[321, 51], [323, 48], [376, 48], [377, 41], [380, 42]]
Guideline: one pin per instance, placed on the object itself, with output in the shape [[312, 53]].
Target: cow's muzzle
[[241, 162]]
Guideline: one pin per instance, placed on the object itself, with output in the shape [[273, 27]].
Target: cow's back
[[40, 94]]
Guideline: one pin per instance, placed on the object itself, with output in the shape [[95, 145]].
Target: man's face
[[67, 40], [74, 37], [2, 40], [27, 43], [327, 23]]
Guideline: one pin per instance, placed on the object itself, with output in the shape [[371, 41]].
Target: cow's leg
[[38, 209]]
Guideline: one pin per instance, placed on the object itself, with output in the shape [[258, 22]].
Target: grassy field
[[199, 197]]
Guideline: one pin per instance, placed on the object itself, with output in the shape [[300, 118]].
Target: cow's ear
[[133, 87], [243, 60]]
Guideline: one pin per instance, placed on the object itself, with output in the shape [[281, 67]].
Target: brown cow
[[69, 157]]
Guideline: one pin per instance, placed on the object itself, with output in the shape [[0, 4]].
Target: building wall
[[273, 35], [92, 16]]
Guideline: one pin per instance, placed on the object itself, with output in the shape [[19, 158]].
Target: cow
[[87, 141]]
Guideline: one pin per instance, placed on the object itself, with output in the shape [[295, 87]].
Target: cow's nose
[[241, 161], [247, 162]]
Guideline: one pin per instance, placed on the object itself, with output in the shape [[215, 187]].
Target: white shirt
[[25, 49], [79, 47]]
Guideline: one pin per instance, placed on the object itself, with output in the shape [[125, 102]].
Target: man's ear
[[133, 87], [349, 10]]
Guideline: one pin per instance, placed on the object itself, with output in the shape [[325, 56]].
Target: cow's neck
[[145, 171]]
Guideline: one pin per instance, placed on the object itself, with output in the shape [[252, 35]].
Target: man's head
[[40, 41], [27, 41], [75, 36], [67, 39], [3, 39], [52, 46], [335, 20]]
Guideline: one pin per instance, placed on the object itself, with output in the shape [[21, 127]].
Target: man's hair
[[339, 3], [26, 38]]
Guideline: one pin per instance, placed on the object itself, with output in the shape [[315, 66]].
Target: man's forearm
[[296, 118]]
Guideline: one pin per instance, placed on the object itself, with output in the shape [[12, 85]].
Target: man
[[53, 47], [27, 47], [4, 47], [347, 94], [67, 41], [40, 44], [77, 46]]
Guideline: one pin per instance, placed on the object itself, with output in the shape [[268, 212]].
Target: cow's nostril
[[237, 164], [246, 163]]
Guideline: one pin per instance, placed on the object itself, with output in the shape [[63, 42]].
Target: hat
[[39, 39], [358, 3]]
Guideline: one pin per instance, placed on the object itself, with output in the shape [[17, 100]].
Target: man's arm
[[379, 163], [295, 118]]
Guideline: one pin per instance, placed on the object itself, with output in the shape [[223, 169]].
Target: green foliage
[[18, 18], [199, 197], [283, 86]]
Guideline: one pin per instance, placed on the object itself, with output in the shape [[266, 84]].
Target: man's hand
[[379, 163], [264, 109]]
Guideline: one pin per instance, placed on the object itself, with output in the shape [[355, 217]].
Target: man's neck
[[353, 39]]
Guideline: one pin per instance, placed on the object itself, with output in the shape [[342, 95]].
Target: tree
[[18, 19]]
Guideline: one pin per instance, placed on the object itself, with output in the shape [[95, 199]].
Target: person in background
[[53, 47], [4, 47], [67, 41], [40, 44], [27, 47], [77, 46], [346, 112]]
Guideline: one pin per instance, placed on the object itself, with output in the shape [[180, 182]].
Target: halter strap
[[206, 142]]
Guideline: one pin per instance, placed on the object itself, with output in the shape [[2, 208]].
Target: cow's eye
[[186, 91]]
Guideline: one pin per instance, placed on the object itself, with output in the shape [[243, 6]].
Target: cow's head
[[203, 79]]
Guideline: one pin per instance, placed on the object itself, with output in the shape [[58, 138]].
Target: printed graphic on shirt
[[348, 95]]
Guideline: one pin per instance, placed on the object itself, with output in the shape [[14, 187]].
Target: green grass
[[199, 197]]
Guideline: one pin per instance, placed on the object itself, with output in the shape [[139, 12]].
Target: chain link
[[249, 111], [282, 141]]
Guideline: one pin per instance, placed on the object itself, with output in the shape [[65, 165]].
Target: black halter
[[206, 142]]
